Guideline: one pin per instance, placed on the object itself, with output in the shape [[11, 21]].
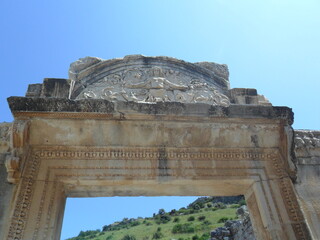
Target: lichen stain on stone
[[255, 140], [163, 165]]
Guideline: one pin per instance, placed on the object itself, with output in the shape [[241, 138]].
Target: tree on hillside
[[161, 211]]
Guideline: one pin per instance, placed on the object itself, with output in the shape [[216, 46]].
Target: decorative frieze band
[[136, 153]]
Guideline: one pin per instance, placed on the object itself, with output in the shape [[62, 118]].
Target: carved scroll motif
[[307, 139], [12, 166], [154, 85]]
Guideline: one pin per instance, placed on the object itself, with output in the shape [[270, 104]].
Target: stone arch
[[95, 147]]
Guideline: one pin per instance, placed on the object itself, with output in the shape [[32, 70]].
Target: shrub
[[176, 219], [242, 202], [162, 219], [157, 235], [206, 222], [205, 236], [234, 205], [195, 237], [173, 212], [220, 205], [129, 237], [181, 211], [183, 228], [186, 212], [191, 218], [135, 223], [105, 228], [201, 218], [199, 203], [89, 233], [177, 228], [209, 205], [223, 220], [196, 206]]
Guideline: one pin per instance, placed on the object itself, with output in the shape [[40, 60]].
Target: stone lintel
[[25, 104]]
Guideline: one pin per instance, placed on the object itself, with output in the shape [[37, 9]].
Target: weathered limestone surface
[[118, 128], [149, 79], [6, 189], [6, 195], [307, 153]]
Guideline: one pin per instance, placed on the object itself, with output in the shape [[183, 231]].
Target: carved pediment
[[149, 79]]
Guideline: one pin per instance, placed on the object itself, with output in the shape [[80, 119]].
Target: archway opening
[[178, 217]]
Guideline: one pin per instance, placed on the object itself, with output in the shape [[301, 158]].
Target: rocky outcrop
[[235, 229]]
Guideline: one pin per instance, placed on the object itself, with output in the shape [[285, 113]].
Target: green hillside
[[193, 222]]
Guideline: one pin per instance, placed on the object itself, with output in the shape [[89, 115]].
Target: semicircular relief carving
[[151, 85]]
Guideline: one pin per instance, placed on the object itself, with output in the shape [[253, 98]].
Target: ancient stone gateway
[[153, 126]]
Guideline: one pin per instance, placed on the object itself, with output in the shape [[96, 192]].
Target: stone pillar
[[38, 206], [273, 214], [273, 203]]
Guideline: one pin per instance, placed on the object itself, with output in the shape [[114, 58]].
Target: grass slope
[[192, 223]]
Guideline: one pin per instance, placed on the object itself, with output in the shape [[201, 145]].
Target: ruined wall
[[6, 189], [307, 160], [241, 229]]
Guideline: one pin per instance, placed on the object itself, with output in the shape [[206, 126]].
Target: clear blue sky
[[273, 46]]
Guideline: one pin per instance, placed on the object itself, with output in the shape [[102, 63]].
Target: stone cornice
[[99, 106]]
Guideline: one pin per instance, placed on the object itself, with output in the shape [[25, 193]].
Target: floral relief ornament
[[154, 85]]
